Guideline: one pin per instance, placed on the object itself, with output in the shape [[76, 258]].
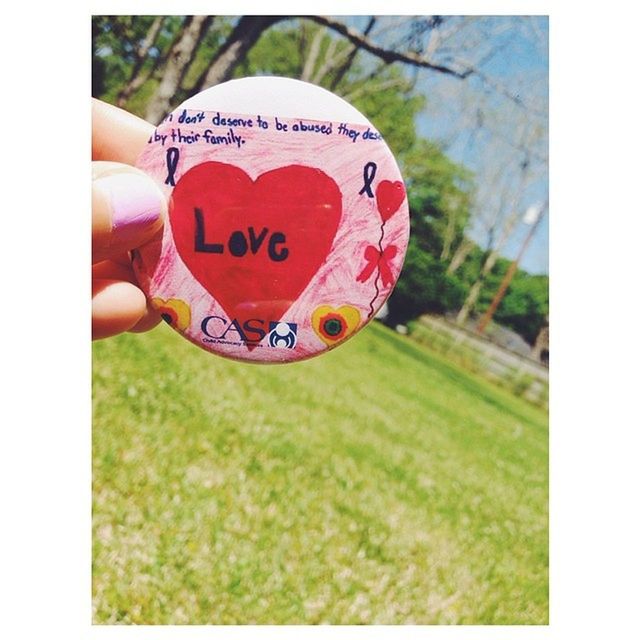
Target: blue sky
[[522, 65], [518, 61]]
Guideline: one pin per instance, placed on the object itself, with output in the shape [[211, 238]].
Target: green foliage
[[376, 484], [471, 267], [115, 40], [393, 112], [212, 41], [283, 50], [525, 307], [439, 198], [137, 103], [440, 191], [424, 287], [278, 52]]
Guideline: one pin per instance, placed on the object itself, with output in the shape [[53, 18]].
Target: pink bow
[[382, 261]]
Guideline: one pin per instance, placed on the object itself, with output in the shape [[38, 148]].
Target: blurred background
[[401, 478]]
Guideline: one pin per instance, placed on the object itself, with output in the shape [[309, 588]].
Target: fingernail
[[136, 204]]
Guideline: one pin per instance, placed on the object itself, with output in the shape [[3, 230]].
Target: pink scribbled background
[[335, 282]]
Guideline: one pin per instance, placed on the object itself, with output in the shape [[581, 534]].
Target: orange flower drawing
[[333, 325], [174, 312]]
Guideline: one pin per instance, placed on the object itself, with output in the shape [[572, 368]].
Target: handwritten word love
[[238, 244]]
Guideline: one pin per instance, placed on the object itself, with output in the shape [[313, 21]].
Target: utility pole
[[513, 267]]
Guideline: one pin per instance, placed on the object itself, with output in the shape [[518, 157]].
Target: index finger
[[117, 135]]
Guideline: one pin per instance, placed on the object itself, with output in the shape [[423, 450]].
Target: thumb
[[128, 209]]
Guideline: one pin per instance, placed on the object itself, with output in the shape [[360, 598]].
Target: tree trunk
[[449, 235], [494, 251], [470, 301], [232, 52], [487, 267], [351, 57], [312, 55], [141, 56], [181, 55], [460, 255], [330, 58]]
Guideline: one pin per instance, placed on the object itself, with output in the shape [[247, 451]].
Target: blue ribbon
[[173, 155], [368, 174]]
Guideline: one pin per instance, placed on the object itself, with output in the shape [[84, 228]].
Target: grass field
[[375, 484]]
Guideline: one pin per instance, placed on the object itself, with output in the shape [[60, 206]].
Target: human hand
[[128, 209]]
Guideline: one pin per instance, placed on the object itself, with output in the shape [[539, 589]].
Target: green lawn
[[375, 484]]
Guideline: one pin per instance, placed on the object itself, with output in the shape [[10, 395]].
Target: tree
[[123, 64], [244, 36], [439, 198], [459, 220], [525, 307], [503, 219], [526, 303], [180, 57], [440, 194], [285, 51], [425, 287], [421, 44], [136, 79]]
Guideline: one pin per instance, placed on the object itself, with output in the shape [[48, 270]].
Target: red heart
[[301, 203], [389, 197]]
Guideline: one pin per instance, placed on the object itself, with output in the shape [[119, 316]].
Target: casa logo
[[219, 330]]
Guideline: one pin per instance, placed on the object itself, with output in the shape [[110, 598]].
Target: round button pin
[[288, 220]]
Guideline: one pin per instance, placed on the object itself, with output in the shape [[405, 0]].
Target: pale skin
[[118, 303]]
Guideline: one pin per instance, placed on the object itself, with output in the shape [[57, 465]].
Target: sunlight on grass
[[375, 484]]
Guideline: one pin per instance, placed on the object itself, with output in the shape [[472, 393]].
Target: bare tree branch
[[368, 78], [374, 88], [494, 252], [302, 41], [351, 57], [387, 55], [439, 36], [450, 232], [312, 56], [462, 70], [460, 255], [330, 59]]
